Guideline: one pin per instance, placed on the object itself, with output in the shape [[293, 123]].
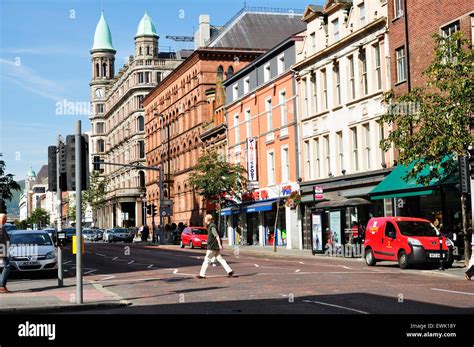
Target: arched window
[[147, 50], [97, 70], [230, 72], [141, 123], [140, 51], [104, 70], [220, 73]]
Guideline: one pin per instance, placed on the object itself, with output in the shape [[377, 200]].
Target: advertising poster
[[335, 227], [317, 232]]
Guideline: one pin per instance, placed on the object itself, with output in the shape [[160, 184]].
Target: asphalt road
[[160, 280]]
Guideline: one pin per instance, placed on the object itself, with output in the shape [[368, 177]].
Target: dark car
[[9, 227], [70, 232]]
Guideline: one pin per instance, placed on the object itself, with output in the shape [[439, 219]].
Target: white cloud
[[29, 80]]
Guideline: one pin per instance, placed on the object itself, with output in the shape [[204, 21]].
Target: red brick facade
[[425, 18]]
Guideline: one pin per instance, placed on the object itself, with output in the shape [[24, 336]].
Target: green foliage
[[212, 176], [93, 197], [39, 216], [7, 184], [438, 120]]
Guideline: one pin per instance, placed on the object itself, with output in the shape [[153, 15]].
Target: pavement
[[160, 279]]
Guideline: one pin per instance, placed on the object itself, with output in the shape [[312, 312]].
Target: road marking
[[89, 272], [101, 255], [131, 262], [67, 262], [115, 258], [175, 271], [107, 278], [452, 291], [346, 267], [337, 306], [150, 266], [297, 270], [301, 262], [256, 265]]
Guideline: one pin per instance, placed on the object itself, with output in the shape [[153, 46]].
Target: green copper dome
[[146, 27], [31, 173], [102, 37]]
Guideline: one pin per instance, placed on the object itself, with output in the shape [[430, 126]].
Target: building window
[[367, 145], [140, 78], [397, 8], [237, 128], [285, 165], [325, 88], [159, 76], [381, 138], [313, 40], [268, 110], [362, 14], [317, 156], [235, 91], [314, 87], [247, 123], [327, 149], [337, 83], [220, 73], [100, 128], [355, 150], [141, 149], [100, 108], [281, 63], [230, 72], [447, 32], [140, 99], [284, 118], [340, 151], [271, 168], [266, 72], [363, 65], [401, 65], [352, 77], [141, 123], [335, 29], [100, 146], [378, 69], [246, 84], [305, 96], [307, 160]]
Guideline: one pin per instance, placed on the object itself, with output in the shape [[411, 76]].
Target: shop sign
[[318, 193], [252, 159], [286, 190]]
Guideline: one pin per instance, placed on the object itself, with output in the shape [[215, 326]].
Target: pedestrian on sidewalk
[[145, 233], [4, 243], [470, 271], [214, 249]]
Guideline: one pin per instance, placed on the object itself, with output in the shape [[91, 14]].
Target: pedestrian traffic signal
[[71, 162]]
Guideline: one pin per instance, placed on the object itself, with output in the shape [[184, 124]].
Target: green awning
[[395, 185]]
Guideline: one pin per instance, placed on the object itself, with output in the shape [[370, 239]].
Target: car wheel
[[403, 260], [369, 257], [191, 244], [181, 244]]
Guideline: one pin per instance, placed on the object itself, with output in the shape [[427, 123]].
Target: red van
[[406, 240]]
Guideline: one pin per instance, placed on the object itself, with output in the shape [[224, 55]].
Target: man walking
[[4, 243], [214, 248]]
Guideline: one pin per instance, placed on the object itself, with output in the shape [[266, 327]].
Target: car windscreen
[[10, 227], [120, 231], [417, 229], [199, 231], [31, 239], [70, 231]]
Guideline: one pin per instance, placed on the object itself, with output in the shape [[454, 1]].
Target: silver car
[[32, 250], [89, 235]]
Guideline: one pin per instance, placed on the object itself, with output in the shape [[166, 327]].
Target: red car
[[194, 237], [406, 240]]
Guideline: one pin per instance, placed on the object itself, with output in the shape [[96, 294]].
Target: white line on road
[[89, 272], [301, 262], [297, 270], [107, 278], [101, 255], [115, 258], [346, 267], [175, 271], [452, 291], [67, 262], [256, 265], [332, 305], [150, 266], [131, 262]]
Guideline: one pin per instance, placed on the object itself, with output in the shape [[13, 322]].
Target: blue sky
[[44, 58]]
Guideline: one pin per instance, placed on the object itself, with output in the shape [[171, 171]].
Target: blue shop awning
[[230, 210], [260, 206]]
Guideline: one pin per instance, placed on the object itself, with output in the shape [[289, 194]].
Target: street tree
[[7, 186], [96, 194], [435, 122], [213, 177], [40, 217]]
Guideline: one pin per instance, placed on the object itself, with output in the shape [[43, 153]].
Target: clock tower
[[103, 61]]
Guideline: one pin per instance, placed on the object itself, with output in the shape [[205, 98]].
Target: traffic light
[[71, 162], [148, 209], [153, 210], [52, 167], [96, 163], [471, 163]]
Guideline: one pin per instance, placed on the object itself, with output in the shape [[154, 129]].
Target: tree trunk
[[467, 243]]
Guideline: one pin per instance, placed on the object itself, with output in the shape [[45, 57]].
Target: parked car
[[194, 237], [406, 240], [99, 233], [117, 234], [25, 257], [89, 235], [52, 232], [9, 227]]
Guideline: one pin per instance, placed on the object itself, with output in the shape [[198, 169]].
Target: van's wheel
[[369, 257], [181, 244], [403, 260]]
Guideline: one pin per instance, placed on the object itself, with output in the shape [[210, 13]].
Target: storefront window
[[270, 217]]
